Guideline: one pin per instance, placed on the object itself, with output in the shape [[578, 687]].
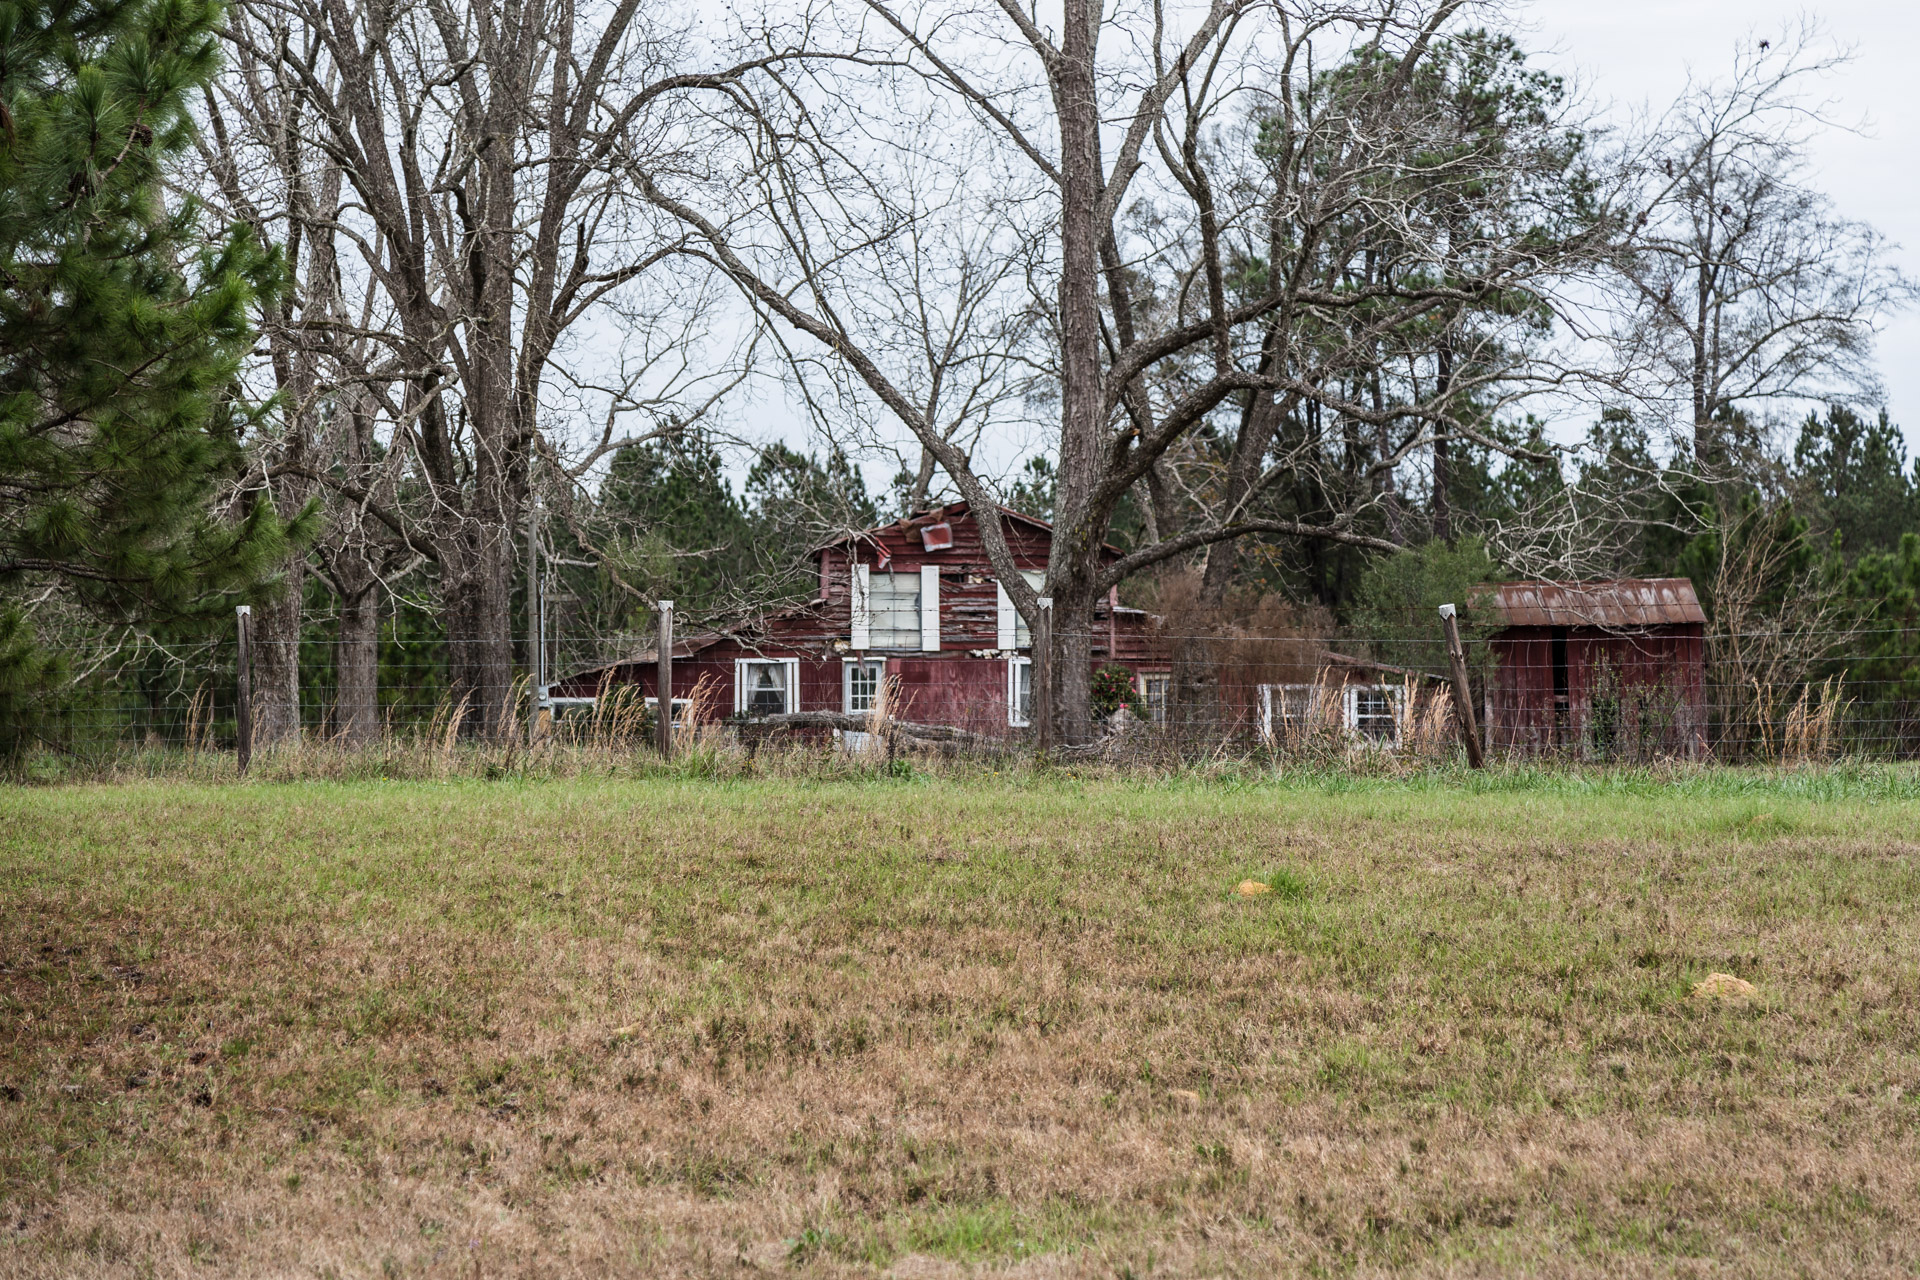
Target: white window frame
[[740, 666], [1156, 715], [847, 667], [1350, 713], [1014, 666], [1268, 728]]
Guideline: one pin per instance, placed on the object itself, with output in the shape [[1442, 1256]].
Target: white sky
[[1638, 54]]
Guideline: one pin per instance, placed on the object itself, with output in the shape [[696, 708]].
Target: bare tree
[[455, 170], [1746, 288], [945, 307], [1201, 185]]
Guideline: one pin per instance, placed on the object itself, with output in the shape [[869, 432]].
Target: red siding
[[1635, 693], [963, 683]]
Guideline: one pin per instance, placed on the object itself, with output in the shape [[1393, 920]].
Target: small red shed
[[916, 601], [1611, 669]]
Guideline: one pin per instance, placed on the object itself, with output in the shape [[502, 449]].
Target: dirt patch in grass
[[931, 1027]]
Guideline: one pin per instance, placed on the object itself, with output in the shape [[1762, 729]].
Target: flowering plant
[[1113, 689]]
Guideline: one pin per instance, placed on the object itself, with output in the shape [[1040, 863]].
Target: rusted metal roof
[[1624, 602]]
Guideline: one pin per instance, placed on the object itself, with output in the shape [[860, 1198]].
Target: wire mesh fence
[[1163, 694]]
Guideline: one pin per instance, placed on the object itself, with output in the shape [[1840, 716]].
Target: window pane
[[1157, 698], [1023, 692], [766, 688], [863, 682], [895, 603], [1373, 713]]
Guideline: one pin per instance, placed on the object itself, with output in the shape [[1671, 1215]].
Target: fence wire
[[1589, 695]]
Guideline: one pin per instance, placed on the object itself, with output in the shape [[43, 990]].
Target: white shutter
[[1006, 618], [862, 594], [929, 606]]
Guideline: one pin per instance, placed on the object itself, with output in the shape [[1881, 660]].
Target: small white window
[[1292, 710], [1019, 691], [1373, 713], [1365, 714], [1154, 690], [861, 678], [766, 687]]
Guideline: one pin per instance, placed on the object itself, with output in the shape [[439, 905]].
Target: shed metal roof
[[1623, 602]]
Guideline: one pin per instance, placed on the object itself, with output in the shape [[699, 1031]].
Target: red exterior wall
[[963, 683], [1632, 694]]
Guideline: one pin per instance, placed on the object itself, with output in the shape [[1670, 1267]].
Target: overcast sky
[[1638, 53], [1636, 56]]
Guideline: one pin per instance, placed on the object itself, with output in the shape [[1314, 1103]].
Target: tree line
[[333, 306]]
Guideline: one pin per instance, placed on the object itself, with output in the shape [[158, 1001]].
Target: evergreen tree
[[676, 530], [1853, 476], [122, 329], [1882, 662], [794, 497]]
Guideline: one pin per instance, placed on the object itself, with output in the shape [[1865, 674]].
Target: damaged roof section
[[1623, 602]]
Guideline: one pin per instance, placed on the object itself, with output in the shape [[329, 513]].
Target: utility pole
[[1462, 694]]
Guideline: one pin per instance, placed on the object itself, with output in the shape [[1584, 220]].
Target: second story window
[[895, 604]]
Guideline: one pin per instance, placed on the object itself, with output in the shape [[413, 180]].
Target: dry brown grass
[[692, 1028]]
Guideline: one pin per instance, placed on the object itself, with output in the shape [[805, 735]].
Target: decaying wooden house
[[915, 601], [1611, 669]]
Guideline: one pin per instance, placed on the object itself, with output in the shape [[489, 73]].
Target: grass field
[[930, 1027]]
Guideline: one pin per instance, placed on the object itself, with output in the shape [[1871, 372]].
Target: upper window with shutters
[[896, 609], [926, 583]]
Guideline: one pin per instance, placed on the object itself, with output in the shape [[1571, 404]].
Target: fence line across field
[[1215, 689]]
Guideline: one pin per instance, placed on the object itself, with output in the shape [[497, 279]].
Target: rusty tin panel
[[1625, 602]]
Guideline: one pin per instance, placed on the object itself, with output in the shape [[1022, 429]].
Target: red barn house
[[916, 601], [1611, 669]]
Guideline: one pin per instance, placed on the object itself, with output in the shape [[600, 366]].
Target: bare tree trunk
[[1075, 563], [1442, 447], [357, 668], [276, 659]]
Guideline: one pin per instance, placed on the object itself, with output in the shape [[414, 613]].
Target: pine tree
[[122, 328]]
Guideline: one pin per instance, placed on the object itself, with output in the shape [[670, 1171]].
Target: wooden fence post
[[1462, 693], [663, 682], [1043, 677], [243, 684]]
